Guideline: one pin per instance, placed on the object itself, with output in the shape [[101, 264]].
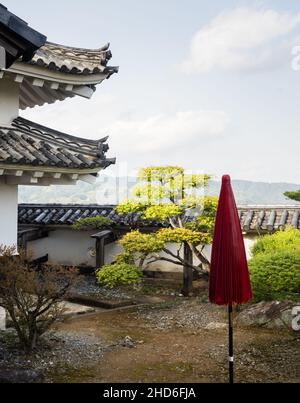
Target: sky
[[210, 86]]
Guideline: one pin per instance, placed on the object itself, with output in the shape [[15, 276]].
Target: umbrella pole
[[230, 357]]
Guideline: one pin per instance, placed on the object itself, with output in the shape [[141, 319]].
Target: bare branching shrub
[[33, 299]]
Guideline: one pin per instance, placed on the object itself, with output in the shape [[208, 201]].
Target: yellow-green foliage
[[94, 223], [191, 202], [119, 274], [167, 183], [162, 212], [130, 206], [151, 192], [288, 239], [136, 242], [173, 173], [206, 221], [180, 235], [210, 204], [194, 181], [168, 195], [160, 174]]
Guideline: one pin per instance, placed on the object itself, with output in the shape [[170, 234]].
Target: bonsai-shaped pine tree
[[293, 195], [176, 200]]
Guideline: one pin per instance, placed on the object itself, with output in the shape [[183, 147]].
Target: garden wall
[[71, 248], [76, 248]]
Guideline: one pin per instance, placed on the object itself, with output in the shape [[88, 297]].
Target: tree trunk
[[187, 271]]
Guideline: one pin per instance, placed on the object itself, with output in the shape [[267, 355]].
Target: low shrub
[[276, 276], [288, 239], [94, 223], [119, 273]]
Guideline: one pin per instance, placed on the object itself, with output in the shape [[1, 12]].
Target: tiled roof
[[58, 214], [272, 218], [27, 143], [74, 60], [25, 44], [263, 219]]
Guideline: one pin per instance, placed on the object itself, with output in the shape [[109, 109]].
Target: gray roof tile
[[27, 143], [269, 219], [72, 60], [253, 220], [58, 214]]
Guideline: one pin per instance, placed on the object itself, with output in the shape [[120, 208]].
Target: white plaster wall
[[9, 101], [65, 247], [111, 252], [74, 248], [249, 241], [68, 247], [167, 266], [8, 215]]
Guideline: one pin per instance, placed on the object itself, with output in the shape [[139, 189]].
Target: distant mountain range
[[104, 191], [247, 192]]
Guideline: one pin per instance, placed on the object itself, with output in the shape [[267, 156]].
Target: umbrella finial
[[226, 179]]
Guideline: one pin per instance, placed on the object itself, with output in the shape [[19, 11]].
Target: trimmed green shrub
[[119, 273], [281, 240], [276, 276], [94, 223]]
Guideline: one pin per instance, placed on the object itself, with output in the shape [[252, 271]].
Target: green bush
[[276, 276], [119, 273], [94, 223], [282, 240]]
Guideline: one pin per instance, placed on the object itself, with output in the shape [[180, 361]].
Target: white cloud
[[241, 39], [134, 140], [166, 132]]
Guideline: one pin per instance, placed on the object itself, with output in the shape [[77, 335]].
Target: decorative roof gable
[[74, 60], [47, 72]]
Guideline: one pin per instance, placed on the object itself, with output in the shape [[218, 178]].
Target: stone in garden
[[128, 342], [216, 326], [2, 319], [271, 315]]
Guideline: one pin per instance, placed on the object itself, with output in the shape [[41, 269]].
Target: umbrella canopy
[[229, 276]]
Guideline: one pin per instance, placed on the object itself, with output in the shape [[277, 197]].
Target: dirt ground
[[184, 342]]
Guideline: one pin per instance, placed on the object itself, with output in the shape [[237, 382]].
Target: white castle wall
[[8, 214], [9, 101]]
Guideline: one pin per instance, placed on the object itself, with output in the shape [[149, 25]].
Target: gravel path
[[185, 341], [58, 348], [186, 315], [89, 287]]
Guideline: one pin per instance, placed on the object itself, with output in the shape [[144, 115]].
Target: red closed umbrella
[[229, 276]]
